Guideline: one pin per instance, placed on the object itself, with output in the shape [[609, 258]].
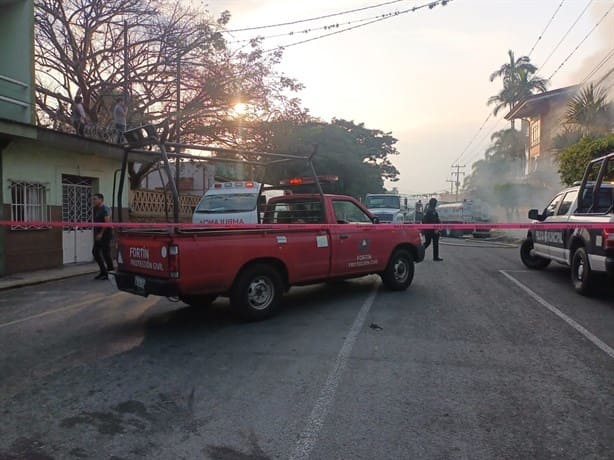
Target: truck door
[[354, 243], [559, 237], [543, 239]]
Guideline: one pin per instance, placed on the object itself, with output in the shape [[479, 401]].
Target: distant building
[[542, 118]]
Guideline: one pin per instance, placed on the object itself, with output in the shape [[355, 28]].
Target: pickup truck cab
[[572, 235], [303, 239]]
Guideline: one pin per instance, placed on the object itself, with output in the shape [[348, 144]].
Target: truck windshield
[[389, 201], [236, 202]]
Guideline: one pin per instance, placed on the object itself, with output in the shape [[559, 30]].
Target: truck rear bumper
[[144, 285]]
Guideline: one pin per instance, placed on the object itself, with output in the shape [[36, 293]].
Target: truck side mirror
[[535, 215], [376, 220]]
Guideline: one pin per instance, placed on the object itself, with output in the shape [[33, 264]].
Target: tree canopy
[[359, 156], [168, 60], [574, 159]]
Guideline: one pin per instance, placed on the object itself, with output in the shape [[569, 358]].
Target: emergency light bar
[[308, 180], [234, 185]]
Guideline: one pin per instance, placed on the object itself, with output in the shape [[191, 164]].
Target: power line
[[477, 133], [314, 29], [599, 65], [582, 42], [429, 5], [326, 16], [545, 28], [565, 35]]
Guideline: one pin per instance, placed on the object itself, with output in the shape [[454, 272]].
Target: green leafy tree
[[574, 159], [359, 156], [174, 67]]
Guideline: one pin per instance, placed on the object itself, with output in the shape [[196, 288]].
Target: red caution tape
[[167, 225]]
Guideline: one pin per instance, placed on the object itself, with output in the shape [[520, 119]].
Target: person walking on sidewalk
[[431, 217], [102, 237]]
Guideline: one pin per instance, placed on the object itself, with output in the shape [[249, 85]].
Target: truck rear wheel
[[530, 260], [400, 271], [581, 274], [257, 292], [200, 301]]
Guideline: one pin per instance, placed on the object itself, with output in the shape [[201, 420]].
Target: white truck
[[389, 208], [464, 212], [229, 203]]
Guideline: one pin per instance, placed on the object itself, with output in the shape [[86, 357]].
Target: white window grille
[[28, 204]]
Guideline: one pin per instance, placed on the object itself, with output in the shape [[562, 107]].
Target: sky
[[423, 76]]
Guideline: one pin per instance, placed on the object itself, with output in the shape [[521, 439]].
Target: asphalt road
[[479, 359]]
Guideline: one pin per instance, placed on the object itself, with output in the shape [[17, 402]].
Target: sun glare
[[240, 109]]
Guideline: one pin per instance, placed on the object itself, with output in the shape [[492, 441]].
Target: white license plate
[[139, 283]]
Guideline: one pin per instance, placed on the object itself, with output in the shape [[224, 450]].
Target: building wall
[[17, 63], [30, 161]]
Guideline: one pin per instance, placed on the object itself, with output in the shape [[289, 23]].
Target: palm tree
[[508, 146], [590, 111], [519, 82]]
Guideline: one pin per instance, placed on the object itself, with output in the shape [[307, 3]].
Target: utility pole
[[178, 117], [456, 174], [451, 182], [126, 71]]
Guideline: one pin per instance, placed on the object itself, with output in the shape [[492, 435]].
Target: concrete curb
[[43, 276]]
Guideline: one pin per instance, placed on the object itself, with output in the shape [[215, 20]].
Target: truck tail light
[[173, 261], [608, 238]]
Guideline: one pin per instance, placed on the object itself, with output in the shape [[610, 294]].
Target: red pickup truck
[[302, 239]]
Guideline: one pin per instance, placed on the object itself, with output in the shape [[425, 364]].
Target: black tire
[[257, 292], [530, 260], [400, 271], [581, 273], [199, 301]]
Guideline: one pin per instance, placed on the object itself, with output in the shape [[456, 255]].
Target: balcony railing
[[10, 91]]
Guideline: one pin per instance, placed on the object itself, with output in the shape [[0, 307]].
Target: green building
[[45, 175]]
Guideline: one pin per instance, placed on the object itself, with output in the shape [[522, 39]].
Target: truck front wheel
[[530, 260], [581, 275], [400, 271], [257, 292]]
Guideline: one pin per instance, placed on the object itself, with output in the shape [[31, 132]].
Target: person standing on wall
[[102, 238], [119, 117], [431, 217], [78, 116]]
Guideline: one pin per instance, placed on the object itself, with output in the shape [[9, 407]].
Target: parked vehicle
[[586, 250], [465, 212], [389, 208], [304, 239], [254, 266], [229, 203]]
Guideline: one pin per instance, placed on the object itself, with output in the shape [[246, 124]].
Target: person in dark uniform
[[102, 238], [431, 217]]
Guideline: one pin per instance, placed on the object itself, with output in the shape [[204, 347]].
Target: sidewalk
[[42, 276]]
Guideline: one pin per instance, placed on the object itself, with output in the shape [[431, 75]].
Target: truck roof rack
[[147, 136]]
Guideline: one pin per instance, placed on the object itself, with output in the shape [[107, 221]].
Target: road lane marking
[[578, 327], [59, 310], [311, 432]]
